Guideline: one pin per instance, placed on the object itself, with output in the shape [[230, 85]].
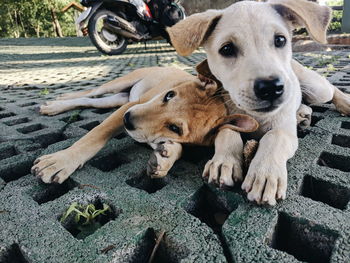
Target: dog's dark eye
[[175, 128], [280, 41], [171, 94], [228, 50]]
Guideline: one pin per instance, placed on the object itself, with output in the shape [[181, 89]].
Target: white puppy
[[248, 48]]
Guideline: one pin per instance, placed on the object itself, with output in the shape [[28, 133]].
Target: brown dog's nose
[[127, 121], [268, 89]]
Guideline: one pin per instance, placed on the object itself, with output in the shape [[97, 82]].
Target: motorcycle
[[113, 24]]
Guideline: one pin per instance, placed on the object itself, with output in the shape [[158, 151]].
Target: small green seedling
[[74, 117], [44, 92], [325, 60], [88, 212], [330, 67], [85, 219]]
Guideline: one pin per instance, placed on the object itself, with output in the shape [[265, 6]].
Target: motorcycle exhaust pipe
[[122, 32]]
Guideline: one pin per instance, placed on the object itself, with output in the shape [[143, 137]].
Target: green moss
[[44, 92]]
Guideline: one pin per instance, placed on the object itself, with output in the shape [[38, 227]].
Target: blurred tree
[[40, 18], [335, 25]]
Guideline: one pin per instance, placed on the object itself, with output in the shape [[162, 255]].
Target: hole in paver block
[[319, 109], [341, 140], [303, 240], [36, 109], [345, 125], [53, 191], [315, 119], [21, 169], [90, 126], [81, 229], [167, 251], [28, 104], [7, 152], [50, 138], [71, 119], [145, 183], [121, 136], [103, 111], [31, 128], [195, 154], [302, 133], [6, 115], [334, 161], [13, 255], [213, 210], [209, 207], [109, 162], [325, 192], [16, 121]]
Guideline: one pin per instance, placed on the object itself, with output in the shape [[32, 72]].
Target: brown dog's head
[[248, 47], [191, 112]]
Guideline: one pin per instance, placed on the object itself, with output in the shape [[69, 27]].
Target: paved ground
[[201, 224]]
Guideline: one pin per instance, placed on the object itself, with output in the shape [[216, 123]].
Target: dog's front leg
[[225, 167], [57, 167], [163, 158], [266, 179]]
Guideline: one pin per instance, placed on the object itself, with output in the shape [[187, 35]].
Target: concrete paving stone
[[201, 223]]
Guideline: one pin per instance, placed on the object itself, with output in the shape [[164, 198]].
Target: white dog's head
[[249, 50]]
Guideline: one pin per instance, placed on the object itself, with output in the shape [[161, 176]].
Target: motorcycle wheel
[[106, 42]]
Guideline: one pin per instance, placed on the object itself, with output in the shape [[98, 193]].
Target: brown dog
[[164, 107]]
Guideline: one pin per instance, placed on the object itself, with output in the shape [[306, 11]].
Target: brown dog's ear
[[205, 73], [208, 85], [302, 13], [238, 122], [209, 81], [235, 122], [187, 35]]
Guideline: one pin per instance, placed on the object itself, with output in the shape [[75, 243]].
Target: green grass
[[85, 218], [44, 92]]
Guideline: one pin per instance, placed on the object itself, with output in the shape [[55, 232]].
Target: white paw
[[223, 171], [304, 116], [55, 168], [52, 108], [161, 161], [266, 181]]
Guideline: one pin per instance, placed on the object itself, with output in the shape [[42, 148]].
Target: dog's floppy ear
[[302, 13], [187, 35], [235, 122], [204, 72], [210, 82], [238, 122]]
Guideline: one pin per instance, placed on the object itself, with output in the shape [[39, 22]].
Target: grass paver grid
[[201, 223]]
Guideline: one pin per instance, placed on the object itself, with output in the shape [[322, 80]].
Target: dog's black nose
[[127, 122], [268, 89]]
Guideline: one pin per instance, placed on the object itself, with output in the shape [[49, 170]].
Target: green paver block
[[201, 223]]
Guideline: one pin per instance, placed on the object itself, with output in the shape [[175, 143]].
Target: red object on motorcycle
[[148, 11]]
